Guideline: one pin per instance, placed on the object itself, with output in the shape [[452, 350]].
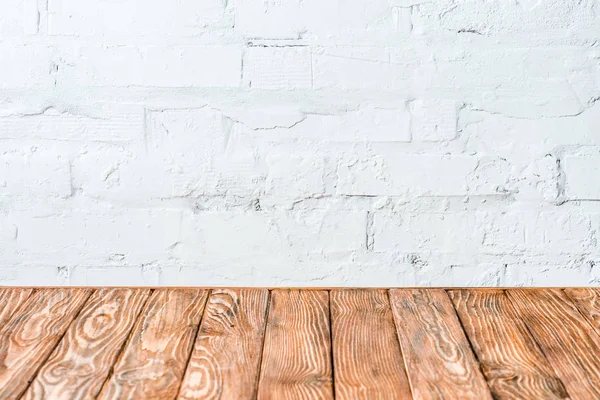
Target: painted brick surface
[[286, 142]]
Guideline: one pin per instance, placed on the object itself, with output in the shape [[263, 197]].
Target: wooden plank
[[587, 301], [438, 357], [153, 361], [296, 361], [82, 361], [225, 360], [366, 354], [10, 300], [31, 334], [565, 337], [511, 360]]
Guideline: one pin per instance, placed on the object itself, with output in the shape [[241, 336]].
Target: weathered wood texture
[[193, 343], [588, 302], [296, 362], [438, 357], [511, 360], [367, 358], [81, 362], [153, 361], [565, 336], [225, 360], [10, 300], [29, 337]]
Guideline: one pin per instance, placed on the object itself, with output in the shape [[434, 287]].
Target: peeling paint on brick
[[285, 142]]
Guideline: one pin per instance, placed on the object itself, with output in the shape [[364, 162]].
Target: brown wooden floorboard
[[511, 360], [29, 337], [81, 362], [438, 357], [588, 302], [565, 336], [154, 358], [367, 358], [296, 361], [225, 360], [247, 343], [10, 300]]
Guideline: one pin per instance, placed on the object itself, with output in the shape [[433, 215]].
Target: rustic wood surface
[[511, 360], [200, 343], [296, 362], [567, 339], [155, 356], [81, 362], [28, 338], [438, 357], [588, 302], [225, 360], [10, 301], [367, 365]]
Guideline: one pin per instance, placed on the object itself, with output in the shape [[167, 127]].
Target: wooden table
[[198, 343]]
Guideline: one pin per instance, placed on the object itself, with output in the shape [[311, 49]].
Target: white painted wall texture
[[300, 142]]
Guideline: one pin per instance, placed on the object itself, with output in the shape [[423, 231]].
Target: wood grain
[[565, 337], [225, 360], [588, 302], [81, 362], [10, 300], [31, 334], [153, 361], [296, 362], [438, 357], [366, 354], [511, 360]]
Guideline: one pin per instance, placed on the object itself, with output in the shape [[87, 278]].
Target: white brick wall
[[287, 142]]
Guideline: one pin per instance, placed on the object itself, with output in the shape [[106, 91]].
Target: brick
[[281, 235], [389, 174], [200, 151], [108, 125], [478, 275], [29, 66], [545, 232], [137, 17], [368, 123], [313, 19], [301, 274], [269, 20], [199, 274], [364, 68], [506, 18], [547, 275], [418, 232], [521, 87], [96, 236], [117, 174], [520, 139], [34, 275], [163, 66], [433, 120], [277, 67], [582, 176], [380, 274], [296, 177], [540, 180], [34, 173], [18, 17], [492, 176], [8, 230], [114, 276]]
